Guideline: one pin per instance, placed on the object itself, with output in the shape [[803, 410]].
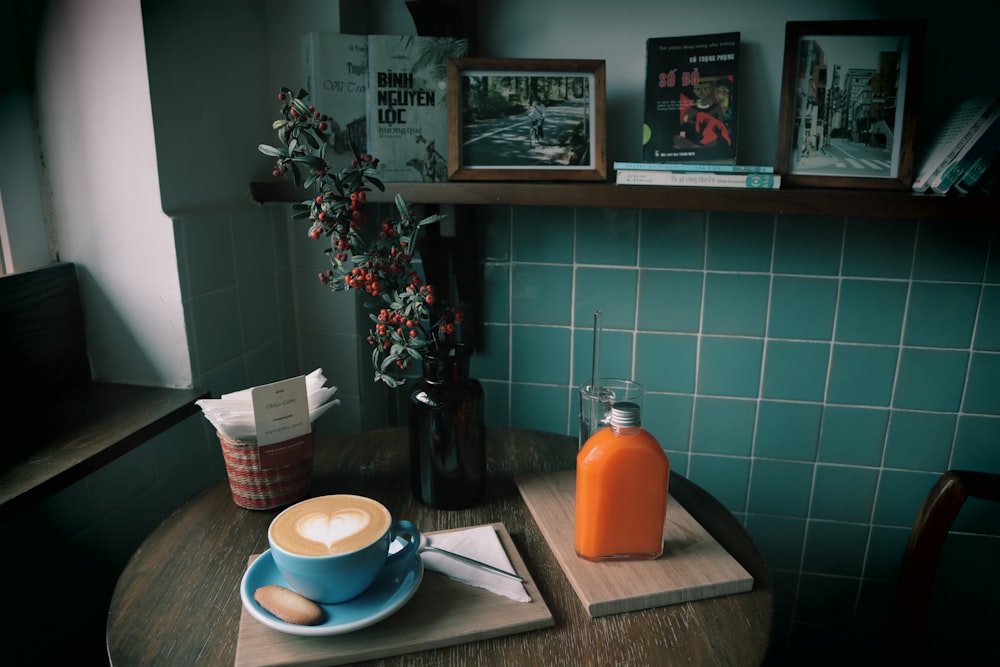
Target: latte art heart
[[330, 529], [330, 526]]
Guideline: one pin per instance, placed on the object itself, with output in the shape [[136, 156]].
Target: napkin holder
[[257, 487]]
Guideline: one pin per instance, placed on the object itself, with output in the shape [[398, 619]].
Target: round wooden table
[[177, 602]]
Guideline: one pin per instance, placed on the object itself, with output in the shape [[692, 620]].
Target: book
[[697, 179], [988, 183], [961, 161], [696, 166], [978, 175], [963, 175], [690, 111], [335, 72], [966, 123], [408, 104]]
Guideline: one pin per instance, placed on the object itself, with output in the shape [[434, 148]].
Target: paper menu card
[[281, 418]]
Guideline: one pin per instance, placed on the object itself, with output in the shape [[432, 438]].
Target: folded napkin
[[482, 544], [233, 414]]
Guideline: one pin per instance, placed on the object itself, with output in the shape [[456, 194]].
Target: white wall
[[20, 197], [97, 138], [22, 220]]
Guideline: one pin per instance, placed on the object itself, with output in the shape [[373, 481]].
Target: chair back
[[906, 641]]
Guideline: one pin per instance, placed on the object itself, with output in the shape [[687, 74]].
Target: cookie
[[288, 605]]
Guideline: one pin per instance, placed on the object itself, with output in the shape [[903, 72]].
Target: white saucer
[[393, 588]]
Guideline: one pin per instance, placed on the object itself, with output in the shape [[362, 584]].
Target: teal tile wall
[[814, 373]]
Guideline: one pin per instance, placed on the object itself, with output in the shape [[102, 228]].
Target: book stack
[[963, 155], [698, 175]]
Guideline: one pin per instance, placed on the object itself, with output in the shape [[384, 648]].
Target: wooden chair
[[907, 633]]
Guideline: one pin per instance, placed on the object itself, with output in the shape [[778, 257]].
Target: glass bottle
[[622, 475], [447, 431]]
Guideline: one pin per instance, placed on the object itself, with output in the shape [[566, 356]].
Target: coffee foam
[[329, 525]]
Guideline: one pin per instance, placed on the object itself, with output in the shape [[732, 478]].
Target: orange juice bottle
[[621, 491]]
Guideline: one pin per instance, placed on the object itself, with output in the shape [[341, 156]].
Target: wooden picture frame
[[849, 99], [494, 134]]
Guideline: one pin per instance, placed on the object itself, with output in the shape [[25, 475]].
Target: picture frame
[[849, 97], [518, 119]]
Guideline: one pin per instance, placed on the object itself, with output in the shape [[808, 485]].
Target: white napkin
[[482, 544], [232, 414]]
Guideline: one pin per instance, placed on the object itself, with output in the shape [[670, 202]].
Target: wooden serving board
[[442, 612], [694, 566]]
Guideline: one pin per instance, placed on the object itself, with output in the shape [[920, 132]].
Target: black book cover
[[690, 111]]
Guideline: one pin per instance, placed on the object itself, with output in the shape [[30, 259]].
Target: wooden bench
[[58, 425]]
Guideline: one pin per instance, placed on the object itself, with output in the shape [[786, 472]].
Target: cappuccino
[[329, 525]]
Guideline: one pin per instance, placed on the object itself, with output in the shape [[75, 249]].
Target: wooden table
[[177, 601]]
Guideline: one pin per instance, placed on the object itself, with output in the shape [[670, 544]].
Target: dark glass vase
[[447, 432]]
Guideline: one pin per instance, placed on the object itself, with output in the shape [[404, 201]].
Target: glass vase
[[447, 431]]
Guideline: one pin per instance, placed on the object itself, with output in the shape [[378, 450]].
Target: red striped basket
[[258, 489]]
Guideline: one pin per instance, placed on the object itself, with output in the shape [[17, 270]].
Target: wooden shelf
[[92, 426], [791, 201]]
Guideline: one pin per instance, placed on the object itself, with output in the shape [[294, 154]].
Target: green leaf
[[430, 219], [404, 211], [271, 151], [302, 215], [301, 106], [296, 174]]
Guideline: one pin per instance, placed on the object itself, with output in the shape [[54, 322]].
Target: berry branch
[[409, 317]]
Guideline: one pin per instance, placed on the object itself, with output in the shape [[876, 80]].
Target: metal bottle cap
[[625, 414]]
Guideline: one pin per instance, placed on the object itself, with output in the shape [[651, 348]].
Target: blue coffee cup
[[331, 548]]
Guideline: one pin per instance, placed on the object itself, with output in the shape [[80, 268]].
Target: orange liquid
[[621, 496]]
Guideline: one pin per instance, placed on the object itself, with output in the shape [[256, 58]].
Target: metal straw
[[596, 368]]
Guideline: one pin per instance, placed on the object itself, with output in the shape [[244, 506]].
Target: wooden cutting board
[[694, 566], [442, 612]]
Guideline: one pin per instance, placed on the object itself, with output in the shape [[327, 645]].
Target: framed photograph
[[849, 103], [523, 119]]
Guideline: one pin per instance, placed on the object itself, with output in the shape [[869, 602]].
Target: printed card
[[281, 415]]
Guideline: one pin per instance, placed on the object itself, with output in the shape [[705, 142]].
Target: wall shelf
[[791, 201]]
